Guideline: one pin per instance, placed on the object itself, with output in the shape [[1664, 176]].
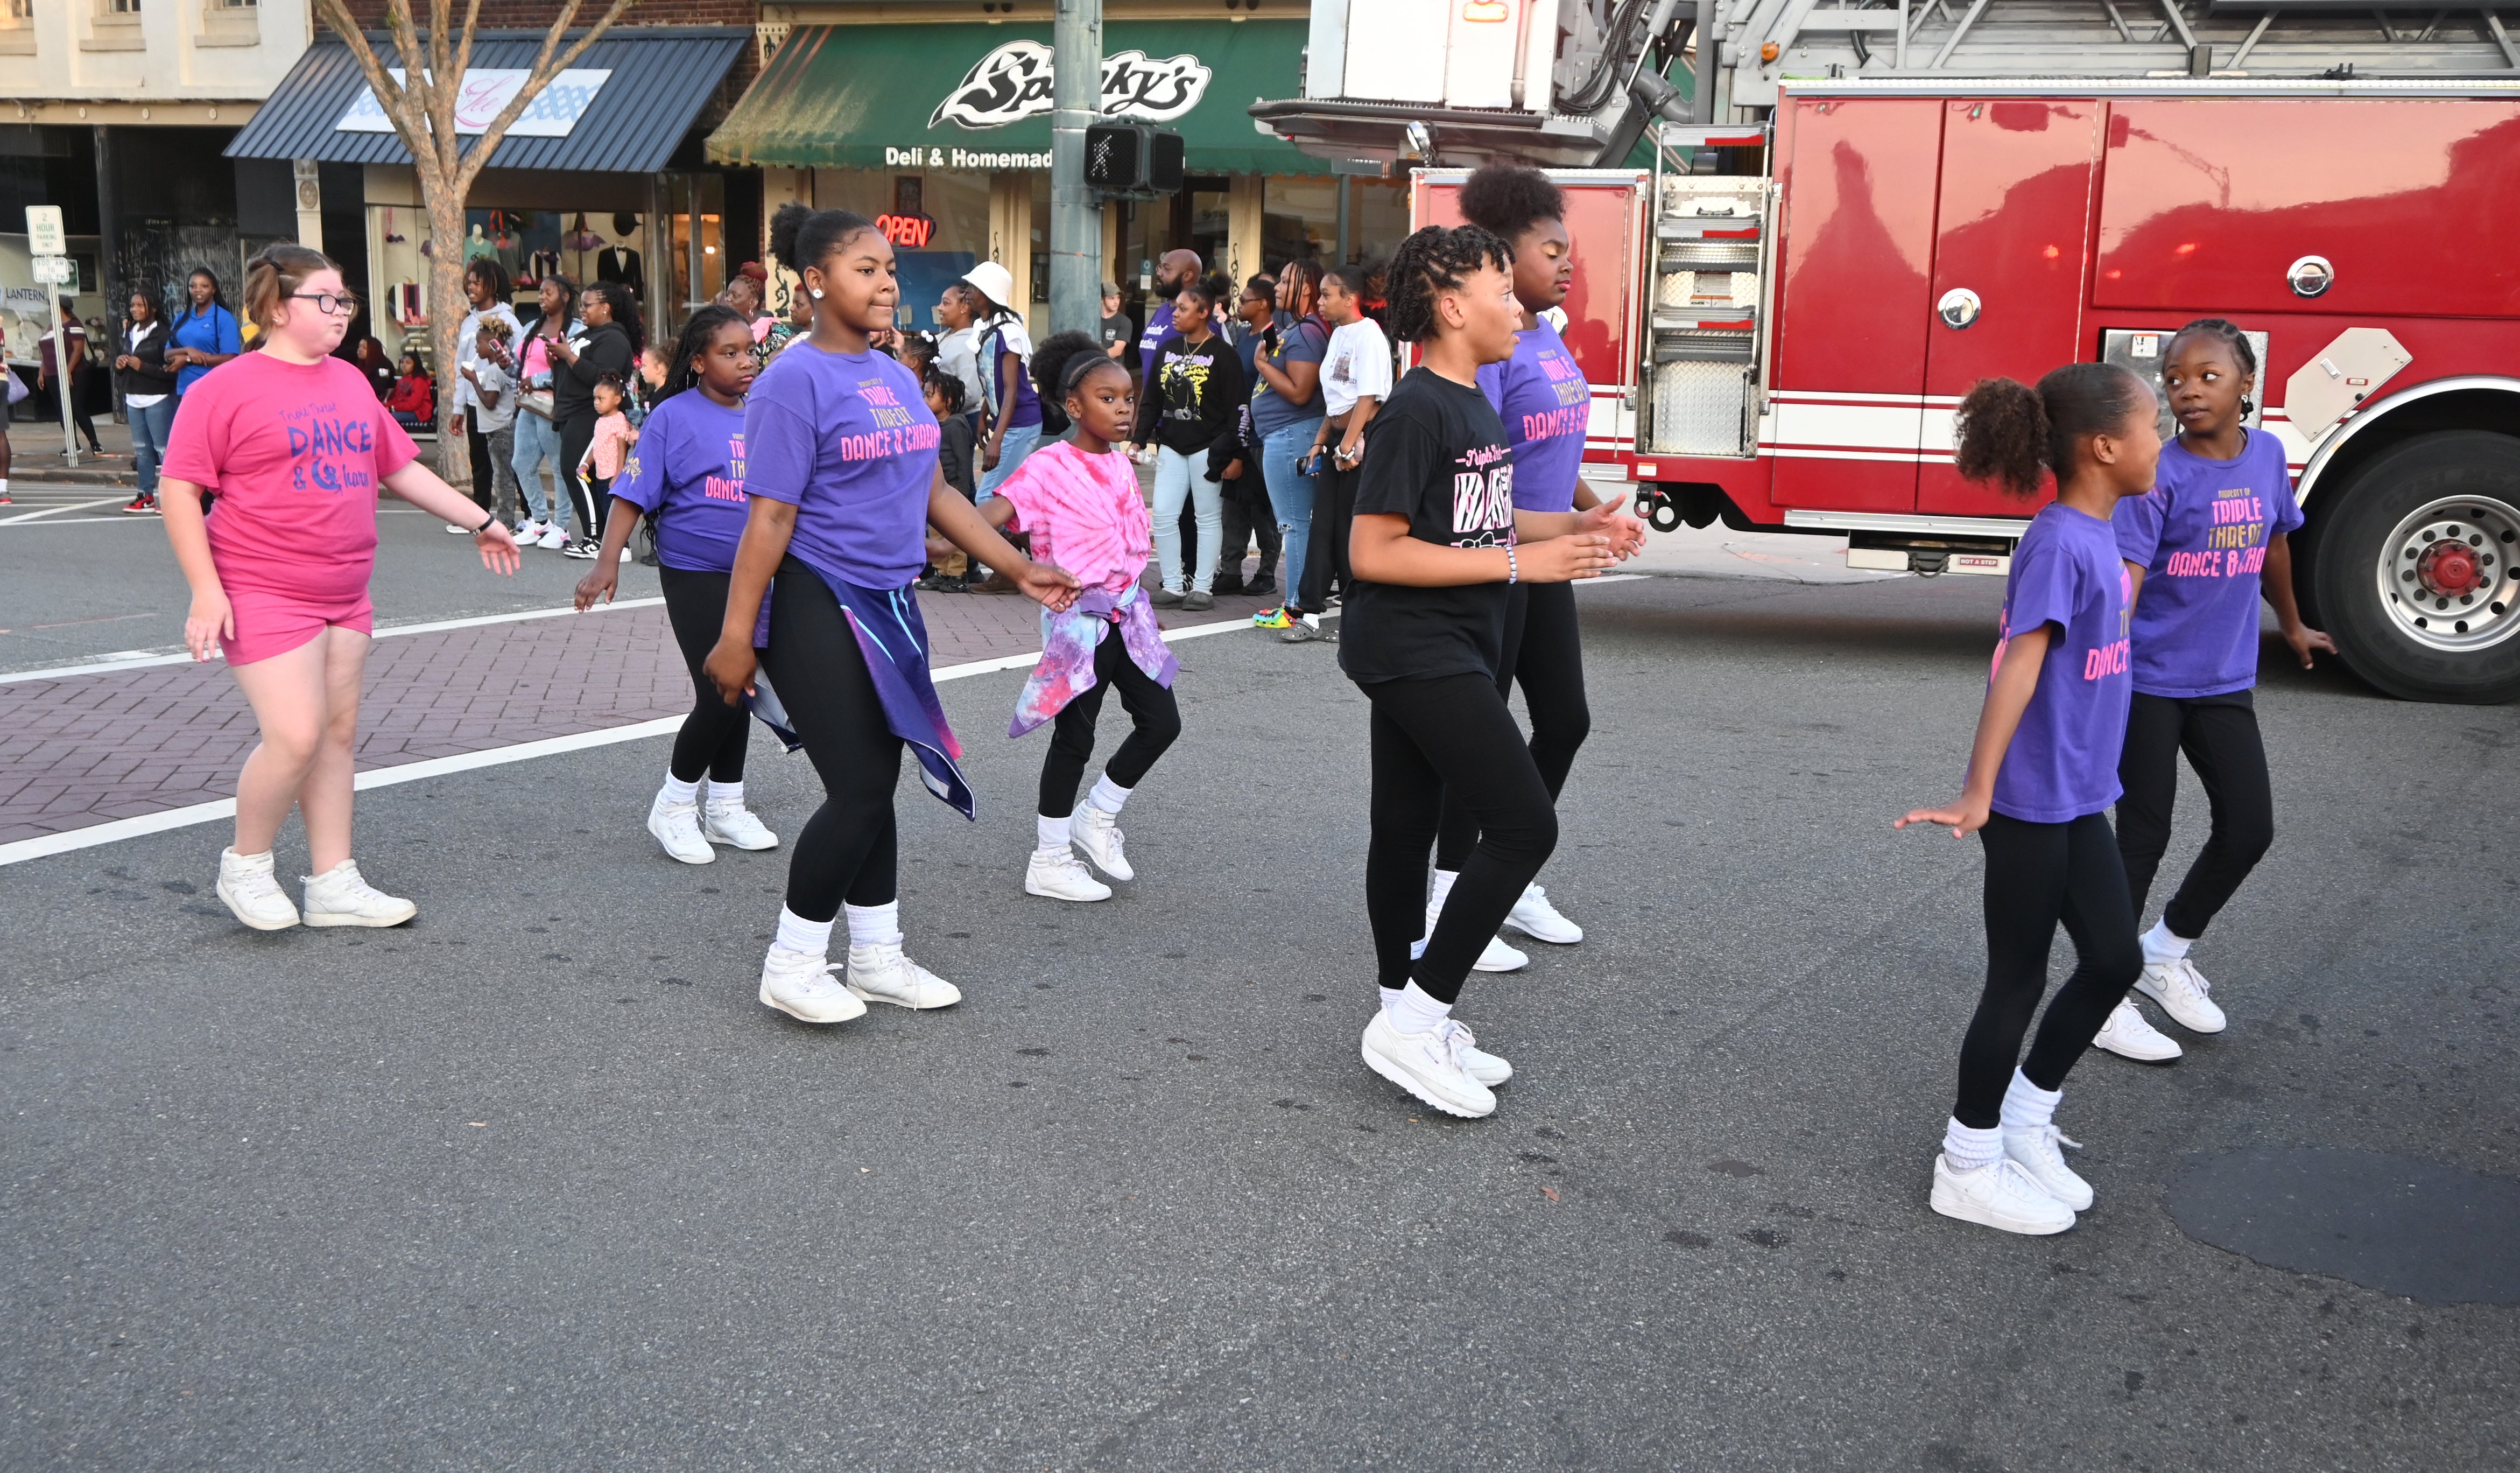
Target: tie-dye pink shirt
[[1085, 514]]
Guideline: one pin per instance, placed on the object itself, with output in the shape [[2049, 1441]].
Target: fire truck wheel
[[2418, 568]]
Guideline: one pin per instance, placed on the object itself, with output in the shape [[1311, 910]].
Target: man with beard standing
[[1178, 269]]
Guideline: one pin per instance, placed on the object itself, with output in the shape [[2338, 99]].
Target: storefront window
[[1377, 218], [956, 202], [696, 265], [1299, 219]]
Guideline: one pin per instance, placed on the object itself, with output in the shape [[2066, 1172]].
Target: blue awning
[[659, 78]]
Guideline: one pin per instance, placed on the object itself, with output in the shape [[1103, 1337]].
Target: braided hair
[[705, 324], [1432, 262], [1061, 365], [2227, 332]]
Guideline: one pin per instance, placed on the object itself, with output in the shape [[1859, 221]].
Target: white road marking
[[134, 660], [67, 506], [118, 829]]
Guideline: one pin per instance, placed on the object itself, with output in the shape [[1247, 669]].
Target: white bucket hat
[[993, 282]]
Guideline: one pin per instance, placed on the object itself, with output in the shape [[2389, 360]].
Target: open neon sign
[[909, 231]]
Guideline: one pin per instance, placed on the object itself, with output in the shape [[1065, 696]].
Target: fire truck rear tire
[[2415, 568]]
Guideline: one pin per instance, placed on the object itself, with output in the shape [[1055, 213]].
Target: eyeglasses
[[342, 305]]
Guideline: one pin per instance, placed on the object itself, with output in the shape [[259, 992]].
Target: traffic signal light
[[1130, 158]]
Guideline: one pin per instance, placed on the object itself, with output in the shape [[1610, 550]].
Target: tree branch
[[396, 102], [545, 68]]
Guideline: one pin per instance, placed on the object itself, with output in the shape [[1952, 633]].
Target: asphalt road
[[537, 1183]]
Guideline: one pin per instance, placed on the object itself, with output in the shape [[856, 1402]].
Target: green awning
[[960, 95]]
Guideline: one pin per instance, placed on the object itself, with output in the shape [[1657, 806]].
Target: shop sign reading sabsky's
[[1013, 82], [552, 114]]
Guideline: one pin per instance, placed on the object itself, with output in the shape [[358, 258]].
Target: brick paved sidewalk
[[120, 744]]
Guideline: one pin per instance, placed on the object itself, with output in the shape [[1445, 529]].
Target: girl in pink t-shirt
[[1079, 499], [294, 445]]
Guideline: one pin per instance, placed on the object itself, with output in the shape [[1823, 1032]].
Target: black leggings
[[1071, 737], [2038, 874], [848, 850], [1448, 734], [2220, 735], [1544, 649], [485, 485], [714, 735], [592, 496], [1326, 555]]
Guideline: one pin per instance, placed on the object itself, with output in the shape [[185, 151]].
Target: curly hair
[[2009, 433], [1432, 262], [947, 388], [1506, 200], [1061, 365], [2225, 331]]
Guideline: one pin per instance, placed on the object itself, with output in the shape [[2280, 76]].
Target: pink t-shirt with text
[[1085, 514], [295, 453]]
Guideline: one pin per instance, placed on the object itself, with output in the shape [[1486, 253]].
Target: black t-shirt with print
[[1438, 455], [1197, 393]]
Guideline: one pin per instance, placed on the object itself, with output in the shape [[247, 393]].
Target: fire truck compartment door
[[2011, 224], [1856, 241], [2413, 201]]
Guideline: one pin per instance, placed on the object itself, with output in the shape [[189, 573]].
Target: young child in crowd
[[414, 400], [2042, 776], [602, 461], [493, 380], [957, 455], [1078, 497]]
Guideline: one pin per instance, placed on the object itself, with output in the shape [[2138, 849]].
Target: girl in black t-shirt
[[1436, 544]]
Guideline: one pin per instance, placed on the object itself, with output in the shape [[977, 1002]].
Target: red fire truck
[[1778, 320]]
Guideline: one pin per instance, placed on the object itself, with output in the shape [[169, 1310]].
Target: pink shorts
[[274, 623]]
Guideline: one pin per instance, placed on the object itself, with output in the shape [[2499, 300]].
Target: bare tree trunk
[[447, 307]]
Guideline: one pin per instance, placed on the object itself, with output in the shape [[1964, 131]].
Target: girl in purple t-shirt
[[2201, 549], [842, 482], [685, 479], [2042, 775]]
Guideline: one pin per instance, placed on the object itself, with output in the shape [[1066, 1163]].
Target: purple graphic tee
[[845, 438], [2201, 539], [1546, 405], [687, 467], [2063, 761]]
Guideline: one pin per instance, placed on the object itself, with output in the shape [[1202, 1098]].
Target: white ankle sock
[[1968, 1148], [874, 925], [1415, 1012], [725, 797], [1051, 834], [678, 792], [797, 933], [2161, 943], [2026, 1106], [1444, 879], [1108, 795], [1390, 995]]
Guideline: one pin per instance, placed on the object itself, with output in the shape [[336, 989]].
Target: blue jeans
[[537, 442], [1179, 478], [1020, 442], [150, 428], [1290, 495]]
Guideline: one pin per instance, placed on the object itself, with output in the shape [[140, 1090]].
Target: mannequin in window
[[476, 245], [619, 262]]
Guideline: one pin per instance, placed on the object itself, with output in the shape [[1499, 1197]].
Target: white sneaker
[[342, 896], [1488, 1068], [1496, 957], [458, 531], [2000, 1195], [625, 554], [1060, 875], [247, 884], [881, 974], [553, 538], [1535, 918], [677, 826], [1099, 834], [584, 549], [528, 533], [801, 987], [722, 823], [1429, 1066], [2180, 990], [2036, 1152], [2128, 1036]]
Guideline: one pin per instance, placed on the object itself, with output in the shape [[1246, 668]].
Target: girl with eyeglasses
[[291, 446]]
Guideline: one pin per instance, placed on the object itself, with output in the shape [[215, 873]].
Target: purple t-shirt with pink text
[[2201, 540], [845, 438], [687, 467], [1546, 405], [2063, 761]]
